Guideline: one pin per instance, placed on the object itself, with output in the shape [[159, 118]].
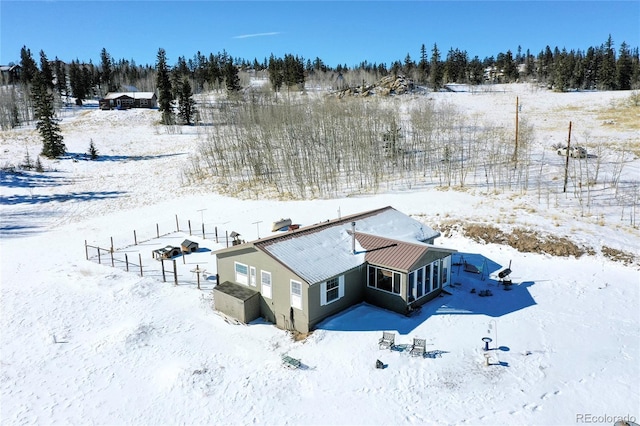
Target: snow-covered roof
[[322, 251], [134, 95]]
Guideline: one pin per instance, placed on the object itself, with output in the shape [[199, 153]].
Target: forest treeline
[[603, 67]]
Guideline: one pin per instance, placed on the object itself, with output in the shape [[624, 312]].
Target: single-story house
[[301, 277], [126, 100]]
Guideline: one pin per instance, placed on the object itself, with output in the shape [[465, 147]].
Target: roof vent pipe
[[353, 237]]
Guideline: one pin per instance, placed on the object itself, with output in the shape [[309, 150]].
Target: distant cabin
[[10, 74], [126, 100]]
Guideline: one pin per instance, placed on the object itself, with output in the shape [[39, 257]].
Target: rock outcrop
[[389, 85]]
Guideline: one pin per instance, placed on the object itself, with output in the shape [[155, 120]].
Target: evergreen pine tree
[[45, 70], [423, 65], [47, 125], [624, 68], [436, 68], [76, 81], [106, 74], [28, 66], [164, 87], [607, 69], [231, 78], [61, 77], [276, 73], [39, 167], [186, 104], [93, 151]]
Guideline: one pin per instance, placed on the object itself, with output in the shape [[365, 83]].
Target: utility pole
[[566, 165], [515, 152]]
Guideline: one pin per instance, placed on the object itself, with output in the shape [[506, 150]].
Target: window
[[445, 270], [420, 282], [411, 287], [436, 277], [265, 283], [384, 279], [296, 294], [242, 273], [252, 276], [331, 290], [427, 279]]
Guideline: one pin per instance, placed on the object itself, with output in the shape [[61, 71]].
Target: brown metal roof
[[390, 253]]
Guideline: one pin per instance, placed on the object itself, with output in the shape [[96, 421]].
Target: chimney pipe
[[353, 237]]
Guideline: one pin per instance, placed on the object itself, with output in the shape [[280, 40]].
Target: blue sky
[[339, 32]]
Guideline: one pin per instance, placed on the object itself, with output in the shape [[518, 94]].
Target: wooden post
[[566, 165], [175, 272], [126, 261], [140, 262], [157, 230], [112, 264], [86, 249], [99, 261], [135, 238], [515, 153], [111, 244], [226, 236], [189, 222], [216, 230], [203, 237], [198, 275], [164, 277], [177, 225]]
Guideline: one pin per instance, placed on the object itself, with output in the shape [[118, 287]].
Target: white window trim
[[264, 287], [323, 291], [241, 278], [393, 272], [296, 299]]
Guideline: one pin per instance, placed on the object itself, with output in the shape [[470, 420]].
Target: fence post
[[203, 237], [86, 249], [126, 261], [111, 244], [189, 223], [112, 264], [164, 277], [99, 261], [177, 225], [140, 262], [135, 238], [157, 230], [216, 230], [226, 237], [175, 272]]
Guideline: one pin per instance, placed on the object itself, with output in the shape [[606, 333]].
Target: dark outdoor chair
[[387, 340], [419, 347]]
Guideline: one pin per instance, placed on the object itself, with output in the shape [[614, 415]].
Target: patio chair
[[419, 347], [387, 340]]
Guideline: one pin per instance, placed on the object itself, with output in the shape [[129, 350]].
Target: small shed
[[166, 252], [237, 301], [189, 246]]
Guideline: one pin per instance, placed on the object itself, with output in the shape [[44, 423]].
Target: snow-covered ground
[[83, 343]]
